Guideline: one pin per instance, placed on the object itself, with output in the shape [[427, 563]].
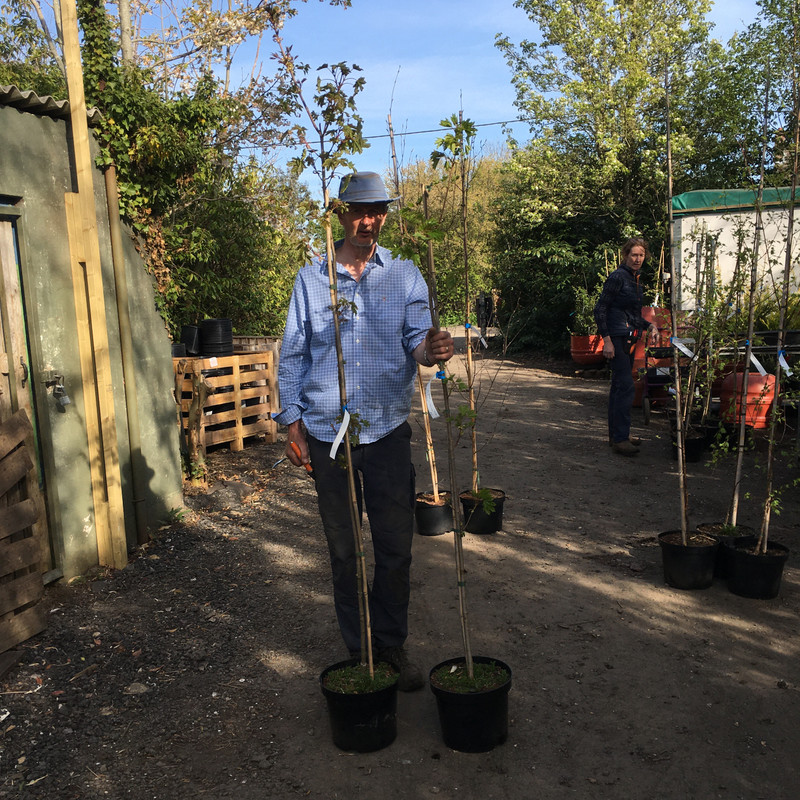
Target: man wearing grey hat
[[385, 331]]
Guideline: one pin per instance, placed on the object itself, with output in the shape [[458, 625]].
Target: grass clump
[[454, 677], [357, 680]]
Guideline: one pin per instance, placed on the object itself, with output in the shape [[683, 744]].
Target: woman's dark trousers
[[620, 398]]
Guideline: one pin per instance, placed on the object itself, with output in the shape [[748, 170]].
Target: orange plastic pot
[[586, 350], [760, 397]]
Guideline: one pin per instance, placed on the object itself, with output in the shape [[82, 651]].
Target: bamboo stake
[[467, 325], [426, 419], [458, 530], [426, 423], [734, 507], [675, 309], [358, 536], [763, 537]]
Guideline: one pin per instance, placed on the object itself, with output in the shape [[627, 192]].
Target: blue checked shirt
[[386, 317]]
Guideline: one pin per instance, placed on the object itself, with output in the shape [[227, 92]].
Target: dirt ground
[[194, 671]]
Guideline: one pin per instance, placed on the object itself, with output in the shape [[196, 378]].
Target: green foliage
[[593, 173], [485, 497], [582, 322], [26, 60], [408, 232], [223, 235], [767, 314], [176, 516]]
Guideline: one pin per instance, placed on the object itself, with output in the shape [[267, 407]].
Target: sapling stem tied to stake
[[337, 134]]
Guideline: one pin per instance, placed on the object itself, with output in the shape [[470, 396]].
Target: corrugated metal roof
[[46, 106]]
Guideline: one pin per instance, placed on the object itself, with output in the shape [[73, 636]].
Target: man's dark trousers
[[385, 486]]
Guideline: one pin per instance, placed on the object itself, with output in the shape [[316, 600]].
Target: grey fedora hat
[[364, 187]]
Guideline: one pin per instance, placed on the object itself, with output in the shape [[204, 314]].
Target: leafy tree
[[28, 57], [222, 230], [593, 172], [214, 242], [444, 197]]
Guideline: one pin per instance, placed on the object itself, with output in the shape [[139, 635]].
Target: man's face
[[362, 222]]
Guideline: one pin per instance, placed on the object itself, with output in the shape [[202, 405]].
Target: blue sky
[[425, 59]]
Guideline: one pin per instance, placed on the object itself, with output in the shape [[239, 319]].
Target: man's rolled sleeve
[[293, 361]]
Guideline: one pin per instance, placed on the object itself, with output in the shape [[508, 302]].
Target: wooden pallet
[[256, 344], [226, 400], [21, 588]]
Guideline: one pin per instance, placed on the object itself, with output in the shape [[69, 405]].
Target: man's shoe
[[410, 674], [625, 448], [634, 440]]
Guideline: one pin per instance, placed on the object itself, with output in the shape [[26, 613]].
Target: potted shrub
[[471, 691], [687, 556], [361, 696], [585, 343], [483, 507], [433, 512], [756, 570]]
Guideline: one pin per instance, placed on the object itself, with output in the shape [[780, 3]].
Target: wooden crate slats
[[17, 517], [22, 626], [21, 587], [225, 435], [13, 432], [15, 556], [237, 400], [20, 592], [13, 469]]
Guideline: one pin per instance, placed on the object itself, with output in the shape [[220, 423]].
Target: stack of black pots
[[190, 339], [216, 337]]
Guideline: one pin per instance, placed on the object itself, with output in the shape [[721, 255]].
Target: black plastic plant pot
[[476, 519], [433, 519], [361, 723], [190, 338], [756, 576], [473, 722], [694, 448], [689, 566], [726, 542]]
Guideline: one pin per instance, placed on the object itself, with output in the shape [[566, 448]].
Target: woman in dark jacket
[[618, 315]]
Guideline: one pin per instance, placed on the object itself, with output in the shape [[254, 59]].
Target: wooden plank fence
[[21, 588]]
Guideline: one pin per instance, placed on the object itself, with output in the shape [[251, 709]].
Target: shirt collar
[[376, 260]]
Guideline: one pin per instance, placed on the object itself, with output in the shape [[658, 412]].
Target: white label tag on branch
[[681, 345], [432, 412], [784, 365], [483, 342], [341, 433], [757, 365]]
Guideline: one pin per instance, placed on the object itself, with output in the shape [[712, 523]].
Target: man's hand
[[295, 435], [438, 346]]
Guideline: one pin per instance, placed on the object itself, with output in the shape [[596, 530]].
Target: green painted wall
[[35, 173]]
